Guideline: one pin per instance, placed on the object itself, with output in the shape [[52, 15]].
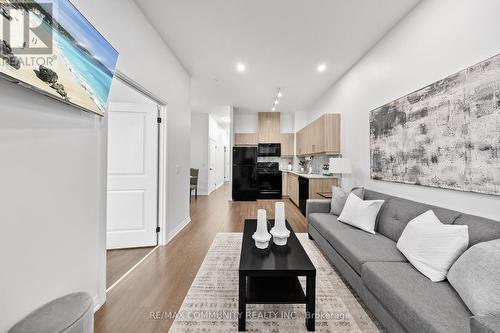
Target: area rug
[[211, 304]]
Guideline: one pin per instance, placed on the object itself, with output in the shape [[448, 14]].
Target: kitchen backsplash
[[317, 163]]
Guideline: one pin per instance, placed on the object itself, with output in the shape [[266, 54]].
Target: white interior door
[[132, 175], [212, 178]]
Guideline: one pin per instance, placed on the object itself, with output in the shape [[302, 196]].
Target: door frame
[[212, 172], [162, 178]]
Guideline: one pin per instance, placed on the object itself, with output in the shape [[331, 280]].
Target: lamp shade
[[340, 165]]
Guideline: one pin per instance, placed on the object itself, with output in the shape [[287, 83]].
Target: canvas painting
[[445, 135], [49, 46]]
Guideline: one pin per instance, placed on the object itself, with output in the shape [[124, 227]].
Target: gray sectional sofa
[[401, 298]]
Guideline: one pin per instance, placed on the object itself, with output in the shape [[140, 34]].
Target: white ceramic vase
[[261, 236], [279, 231]]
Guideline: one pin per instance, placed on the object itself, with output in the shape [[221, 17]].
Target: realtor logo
[[25, 28]]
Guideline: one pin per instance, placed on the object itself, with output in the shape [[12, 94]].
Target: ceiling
[[282, 42]]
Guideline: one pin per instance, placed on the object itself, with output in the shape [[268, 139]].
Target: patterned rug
[[211, 304]]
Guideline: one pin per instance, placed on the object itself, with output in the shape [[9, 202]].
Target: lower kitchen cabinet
[[315, 185], [321, 185], [284, 185], [293, 188]]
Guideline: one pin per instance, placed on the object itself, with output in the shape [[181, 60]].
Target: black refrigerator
[[245, 173]]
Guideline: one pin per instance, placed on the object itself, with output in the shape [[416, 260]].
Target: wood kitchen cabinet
[[293, 188], [287, 144], [269, 130], [315, 185], [245, 139], [321, 185], [321, 136], [284, 183]]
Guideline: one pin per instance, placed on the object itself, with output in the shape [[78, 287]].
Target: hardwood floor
[[118, 262], [160, 283]]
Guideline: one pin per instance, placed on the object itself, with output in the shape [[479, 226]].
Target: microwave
[[269, 149]]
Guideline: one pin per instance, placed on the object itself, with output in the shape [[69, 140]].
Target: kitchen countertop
[[310, 175]]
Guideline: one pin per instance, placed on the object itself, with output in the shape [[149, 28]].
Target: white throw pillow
[[431, 246], [360, 213]]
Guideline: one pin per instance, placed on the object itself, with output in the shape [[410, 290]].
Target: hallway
[[160, 283]]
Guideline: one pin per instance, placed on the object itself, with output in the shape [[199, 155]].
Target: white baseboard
[[215, 188], [178, 229], [97, 303]]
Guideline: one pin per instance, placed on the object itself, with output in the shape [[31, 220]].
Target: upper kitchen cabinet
[[245, 139], [269, 127], [287, 144], [322, 136]]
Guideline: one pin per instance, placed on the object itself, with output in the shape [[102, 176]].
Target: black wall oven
[[269, 149]]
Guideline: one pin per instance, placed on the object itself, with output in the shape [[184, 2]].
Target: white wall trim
[[97, 304], [215, 188], [162, 175], [176, 231]]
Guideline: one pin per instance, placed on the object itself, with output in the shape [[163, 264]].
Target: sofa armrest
[[317, 206], [485, 324]]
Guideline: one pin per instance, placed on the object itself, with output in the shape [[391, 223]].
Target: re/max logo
[[26, 26]]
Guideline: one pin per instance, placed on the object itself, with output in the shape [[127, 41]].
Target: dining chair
[[193, 183]]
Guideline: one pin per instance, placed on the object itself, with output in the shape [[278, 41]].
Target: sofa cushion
[[480, 228], [325, 221], [417, 303], [485, 324], [397, 212], [361, 213], [372, 195], [339, 198], [431, 246], [358, 247], [476, 278]]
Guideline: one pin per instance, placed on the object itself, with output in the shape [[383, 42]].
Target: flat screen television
[[49, 46]]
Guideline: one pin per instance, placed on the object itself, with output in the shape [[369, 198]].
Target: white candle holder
[[261, 236], [279, 231]]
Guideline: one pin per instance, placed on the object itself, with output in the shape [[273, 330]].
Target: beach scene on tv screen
[[50, 46]]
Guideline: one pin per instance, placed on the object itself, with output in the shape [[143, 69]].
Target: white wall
[[199, 149], [436, 39], [53, 179], [245, 122], [287, 123], [53, 171]]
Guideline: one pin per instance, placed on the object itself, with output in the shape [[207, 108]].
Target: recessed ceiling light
[[241, 67], [321, 68]]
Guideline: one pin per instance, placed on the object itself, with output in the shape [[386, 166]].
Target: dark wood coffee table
[[270, 276]]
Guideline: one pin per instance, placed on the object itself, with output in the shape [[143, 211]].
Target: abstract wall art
[[446, 135]]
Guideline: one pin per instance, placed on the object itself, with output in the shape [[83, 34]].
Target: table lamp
[[340, 165]]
